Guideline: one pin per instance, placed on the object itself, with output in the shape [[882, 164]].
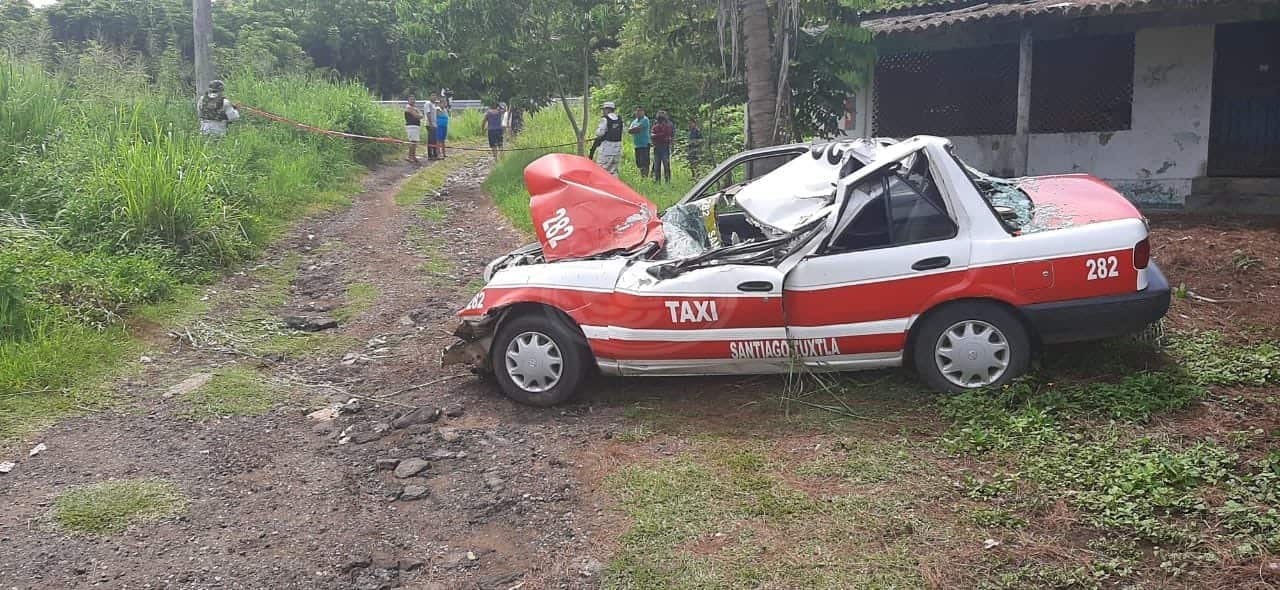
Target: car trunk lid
[[580, 210], [1067, 200]]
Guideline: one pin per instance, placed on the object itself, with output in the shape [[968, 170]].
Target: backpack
[[212, 109]]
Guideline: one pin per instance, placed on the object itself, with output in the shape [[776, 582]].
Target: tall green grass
[[112, 200], [466, 125], [549, 127]]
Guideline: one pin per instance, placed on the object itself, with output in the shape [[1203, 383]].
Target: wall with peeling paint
[[1154, 162]]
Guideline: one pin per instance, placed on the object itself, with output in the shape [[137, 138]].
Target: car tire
[[539, 359], [970, 345]]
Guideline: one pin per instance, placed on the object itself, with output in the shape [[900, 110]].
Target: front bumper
[[472, 346], [1101, 317]]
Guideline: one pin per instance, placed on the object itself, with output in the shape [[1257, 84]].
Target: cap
[[216, 85], [608, 104]]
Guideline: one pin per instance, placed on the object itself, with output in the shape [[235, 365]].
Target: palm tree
[[767, 47]]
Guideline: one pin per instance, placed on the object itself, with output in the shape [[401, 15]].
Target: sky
[[39, 3]]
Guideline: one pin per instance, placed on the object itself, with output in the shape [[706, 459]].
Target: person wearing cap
[[607, 148], [215, 111]]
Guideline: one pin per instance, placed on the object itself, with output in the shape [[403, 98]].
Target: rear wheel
[[971, 345], [538, 359]]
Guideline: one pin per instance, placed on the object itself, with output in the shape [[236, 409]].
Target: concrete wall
[[1154, 162]]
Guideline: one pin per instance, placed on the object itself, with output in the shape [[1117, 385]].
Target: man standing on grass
[[215, 111], [429, 114], [639, 129], [664, 134], [412, 127], [607, 148], [493, 124]]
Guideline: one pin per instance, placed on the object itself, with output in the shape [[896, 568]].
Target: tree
[[805, 39], [524, 53]]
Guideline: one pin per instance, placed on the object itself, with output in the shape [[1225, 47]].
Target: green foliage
[[1076, 442], [1211, 361], [1028, 412], [113, 200], [114, 505]]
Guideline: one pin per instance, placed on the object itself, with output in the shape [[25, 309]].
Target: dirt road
[[284, 501]]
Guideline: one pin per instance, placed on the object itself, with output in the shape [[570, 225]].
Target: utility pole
[[202, 21]]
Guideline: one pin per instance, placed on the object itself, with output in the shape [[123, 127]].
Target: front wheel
[[971, 345], [538, 359]]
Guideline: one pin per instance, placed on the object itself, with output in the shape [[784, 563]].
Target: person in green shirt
[[639, 129]]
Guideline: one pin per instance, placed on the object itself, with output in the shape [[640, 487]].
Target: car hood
[[790, 196], [579, 210], [1074, 199]]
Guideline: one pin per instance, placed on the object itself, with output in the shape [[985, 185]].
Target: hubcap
[[972, 353], [534, 362]]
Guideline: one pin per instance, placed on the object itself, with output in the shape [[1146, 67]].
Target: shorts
[[414, 132], [495, 138]]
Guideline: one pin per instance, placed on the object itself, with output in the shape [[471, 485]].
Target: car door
[[720, 319], [895, 246]]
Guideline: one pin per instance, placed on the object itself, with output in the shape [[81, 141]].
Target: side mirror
[[1006, 213]]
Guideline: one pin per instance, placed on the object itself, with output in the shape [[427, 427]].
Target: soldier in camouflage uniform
[[215, 110]]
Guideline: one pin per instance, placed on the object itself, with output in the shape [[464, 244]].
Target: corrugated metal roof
[[946, 14]]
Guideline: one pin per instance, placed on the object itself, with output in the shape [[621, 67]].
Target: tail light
[[1142, 254]]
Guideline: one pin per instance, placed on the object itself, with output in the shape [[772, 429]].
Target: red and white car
[[839, 256]]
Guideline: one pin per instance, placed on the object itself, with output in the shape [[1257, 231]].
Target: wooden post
[[202, 22], [1022, 131]]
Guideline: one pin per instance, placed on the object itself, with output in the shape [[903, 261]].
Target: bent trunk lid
[[580, 210]]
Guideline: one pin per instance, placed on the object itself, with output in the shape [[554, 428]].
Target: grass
[[235, 391], [549, 127], [114, 206], [726, 515], [358, 298], [1085, 479], [115, 505]]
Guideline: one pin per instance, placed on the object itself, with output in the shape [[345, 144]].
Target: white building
[[1174, 102]]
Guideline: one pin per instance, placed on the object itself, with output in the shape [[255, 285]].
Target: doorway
[[1244, 128]]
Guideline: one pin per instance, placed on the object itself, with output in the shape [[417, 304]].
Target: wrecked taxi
[[838, 256]]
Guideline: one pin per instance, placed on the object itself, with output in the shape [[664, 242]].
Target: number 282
[[1103, 268]]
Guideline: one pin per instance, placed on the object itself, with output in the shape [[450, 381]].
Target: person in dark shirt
[[493, 124], [412, 126], [694, 150], [664, 134]]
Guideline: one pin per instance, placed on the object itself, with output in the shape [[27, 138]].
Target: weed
[[1243, 260], [1211, 361], [236, 391], [359, 297], [1181, 291], [995, 518], [635, 434], [112, 506], [1001, 484]]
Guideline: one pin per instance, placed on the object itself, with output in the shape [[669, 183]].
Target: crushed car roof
[[791, 195]]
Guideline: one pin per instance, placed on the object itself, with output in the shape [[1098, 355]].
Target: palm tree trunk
[[762, 85]]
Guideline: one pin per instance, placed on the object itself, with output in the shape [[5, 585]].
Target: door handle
[[755, 286], [932, 263]]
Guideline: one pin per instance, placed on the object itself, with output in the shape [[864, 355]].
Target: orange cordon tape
[[383, 139]]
